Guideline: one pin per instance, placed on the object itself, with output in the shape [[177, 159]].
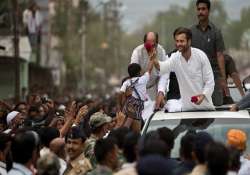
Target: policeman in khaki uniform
[[99, 124], [78, 164]]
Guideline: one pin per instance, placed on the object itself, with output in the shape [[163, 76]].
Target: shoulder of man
[[100, 170], [200, 54], [141, 46], [89, 145], [82, 166]]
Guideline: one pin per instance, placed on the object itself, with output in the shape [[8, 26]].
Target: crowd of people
[[41, 136], [84, 137]]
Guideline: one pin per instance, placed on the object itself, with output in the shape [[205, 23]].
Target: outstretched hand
[[200, 99]]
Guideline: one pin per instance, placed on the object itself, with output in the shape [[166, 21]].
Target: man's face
[[202, 11], [74, 147], [18, 120], [181, 42]]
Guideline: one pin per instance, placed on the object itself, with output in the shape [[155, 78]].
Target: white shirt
[[140, 56], [245, 166], [3, 168], [63, 165], [19, 169], [33, 22], [194, 76], [140, 86]]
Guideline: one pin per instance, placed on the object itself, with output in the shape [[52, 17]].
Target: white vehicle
[[217, 123]]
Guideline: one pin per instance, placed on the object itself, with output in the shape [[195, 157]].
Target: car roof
[[161, 115]]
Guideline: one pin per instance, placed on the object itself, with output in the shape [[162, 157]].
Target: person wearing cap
[[99, 125], [238, 139], [78, 163], [14, 120]]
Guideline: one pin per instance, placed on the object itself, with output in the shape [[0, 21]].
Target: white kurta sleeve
[[135, 57], [163, 83], [208, 76], [166, 66]]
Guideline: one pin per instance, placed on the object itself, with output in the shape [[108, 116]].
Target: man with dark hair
[[167, 136], [208, 38], [217, 158], [187, 163], [202, 140], [130, 151], [99, 125], [193, 72], [47, 134], [24, 148], [75, 142], [5, 141], [106, 153]]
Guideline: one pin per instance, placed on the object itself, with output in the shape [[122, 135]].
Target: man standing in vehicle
[[207, 37], [193, 72]]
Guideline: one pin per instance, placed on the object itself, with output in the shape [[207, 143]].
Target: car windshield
[[216, 127]]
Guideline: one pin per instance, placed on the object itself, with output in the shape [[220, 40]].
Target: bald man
[[140, 56], [57, 147]]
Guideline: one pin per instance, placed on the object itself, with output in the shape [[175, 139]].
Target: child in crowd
[[134, 94]]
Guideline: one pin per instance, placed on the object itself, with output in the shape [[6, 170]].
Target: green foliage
[[166, 22]]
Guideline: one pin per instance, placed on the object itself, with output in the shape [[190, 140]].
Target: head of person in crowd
[[59, 122], [183, 37], [99, 124], [237, 138], [33, 113], [134, 70], [34, 99], [153, 165], [22, 108], [42, 111], [74, 140], [167, 136], [14, 119], [5, 142], [48, 165], [24, 148], [186, 147], [47, 134], [119, 135], [151, 38], [130, 147], [202, 140], [57, 146], [106, 153], [217, 157], [203, 9], [152, 144], [234, 159]]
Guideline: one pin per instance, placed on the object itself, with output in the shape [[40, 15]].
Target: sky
[[134, 11]]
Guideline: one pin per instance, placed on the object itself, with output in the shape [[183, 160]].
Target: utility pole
[[15, 14], [83, 44]]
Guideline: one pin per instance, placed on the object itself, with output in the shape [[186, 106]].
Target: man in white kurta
[[141, 57], [193, 72]]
